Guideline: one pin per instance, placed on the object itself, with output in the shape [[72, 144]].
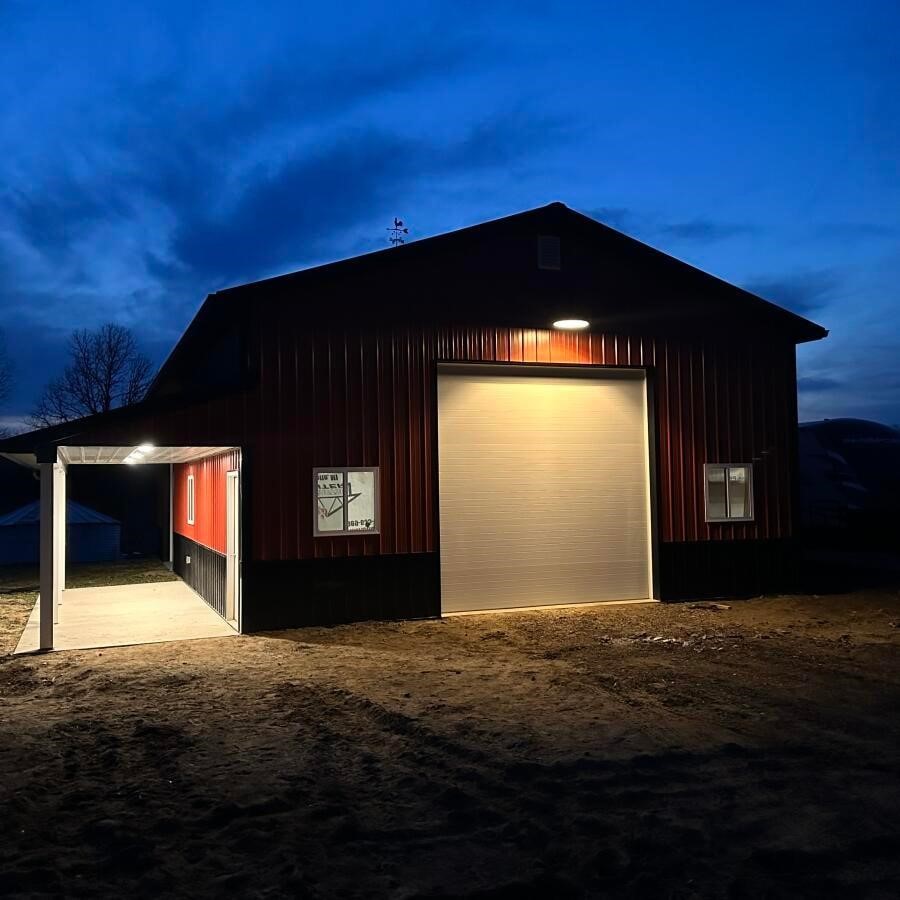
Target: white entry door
[[544, 488], [232, 547]]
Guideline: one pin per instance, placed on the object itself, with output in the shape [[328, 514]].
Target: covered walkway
[[124, 614], [137, 614]]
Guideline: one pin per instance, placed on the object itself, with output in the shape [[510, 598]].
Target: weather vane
[[397, 233]]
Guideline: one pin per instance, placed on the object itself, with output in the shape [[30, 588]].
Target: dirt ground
[[642, 751]]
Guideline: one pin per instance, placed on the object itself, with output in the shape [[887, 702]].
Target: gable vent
[[548, 252]]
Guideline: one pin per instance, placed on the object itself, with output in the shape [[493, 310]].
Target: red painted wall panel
[[209, 498], [361, 398], [369, 400]]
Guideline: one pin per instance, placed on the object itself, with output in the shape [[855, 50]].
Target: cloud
[[870, 394], [179, 191], [802, 292], [856, 231], [854, 373], [619, 217], [174, 180], [295, 212], [57, 213], [650, 226], [496, 140], [704, 231], [287, 91], [287, 212], [817, 384], [10, 425], [156, 139]]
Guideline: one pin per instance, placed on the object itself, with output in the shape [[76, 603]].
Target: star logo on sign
[[328, 506]]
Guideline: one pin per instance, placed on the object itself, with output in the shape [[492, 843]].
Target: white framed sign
[[346, 500]]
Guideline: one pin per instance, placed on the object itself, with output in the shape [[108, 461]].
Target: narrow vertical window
[[549, 255], [729, 492], [190, 499]]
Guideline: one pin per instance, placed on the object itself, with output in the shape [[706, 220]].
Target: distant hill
[[850, 477]]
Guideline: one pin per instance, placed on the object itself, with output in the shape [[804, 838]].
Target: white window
[[190, 499], [729, 492], [347, 501]]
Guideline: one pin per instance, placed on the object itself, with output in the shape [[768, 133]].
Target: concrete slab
[[123, 614]]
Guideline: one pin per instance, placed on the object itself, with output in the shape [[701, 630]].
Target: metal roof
[[76, 514], [488, 274]]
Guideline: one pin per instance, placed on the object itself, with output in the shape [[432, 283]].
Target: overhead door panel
[[544, 489]]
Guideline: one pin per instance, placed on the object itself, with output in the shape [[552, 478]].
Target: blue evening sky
[[153, 152]]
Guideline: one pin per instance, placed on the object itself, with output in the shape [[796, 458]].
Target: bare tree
[[106, 370]]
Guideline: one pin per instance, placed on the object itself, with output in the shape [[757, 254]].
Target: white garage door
[[544, 488]]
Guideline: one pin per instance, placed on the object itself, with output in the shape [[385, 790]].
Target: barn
[[533, 411]]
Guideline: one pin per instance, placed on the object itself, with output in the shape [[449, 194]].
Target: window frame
[[549, 252], [728, 520], [191, 500], [345, 471]]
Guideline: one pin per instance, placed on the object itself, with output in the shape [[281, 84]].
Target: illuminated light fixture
[[571, 324], [137, 455]]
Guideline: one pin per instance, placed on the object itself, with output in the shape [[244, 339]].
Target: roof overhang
[[119, 455], [140, 454], [29, 460]]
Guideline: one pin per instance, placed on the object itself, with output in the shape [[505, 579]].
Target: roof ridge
[[405, 248]]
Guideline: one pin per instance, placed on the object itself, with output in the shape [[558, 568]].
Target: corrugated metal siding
[[205, 573], [714, 403], [96, 542], [85, 543], [20, 544], [209, 499], [358, 398]]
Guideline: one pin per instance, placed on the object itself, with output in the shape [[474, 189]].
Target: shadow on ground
[[743, 749]]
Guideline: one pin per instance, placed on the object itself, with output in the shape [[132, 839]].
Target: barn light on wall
[[571, 324]]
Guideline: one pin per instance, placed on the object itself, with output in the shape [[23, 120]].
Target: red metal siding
[[368, 400], [360, 398], [209, 499]]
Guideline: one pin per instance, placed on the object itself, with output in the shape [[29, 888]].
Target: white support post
[[48, 553], [171, 517], [59, 527]]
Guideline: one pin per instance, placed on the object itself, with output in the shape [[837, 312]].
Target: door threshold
[[514, 609]]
